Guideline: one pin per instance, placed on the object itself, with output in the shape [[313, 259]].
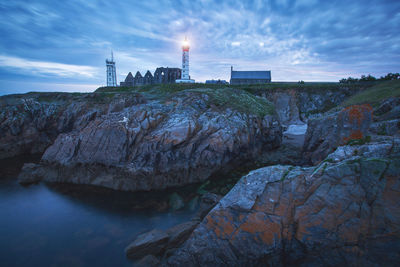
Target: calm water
[[61, 225]]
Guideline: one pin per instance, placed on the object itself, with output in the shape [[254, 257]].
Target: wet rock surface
[[342, 212]]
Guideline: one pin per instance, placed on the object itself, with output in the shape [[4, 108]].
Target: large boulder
[[150, 243], [30, 173], [343, 212], [156, 242], [158, 145], [325, 134], [179, 233]]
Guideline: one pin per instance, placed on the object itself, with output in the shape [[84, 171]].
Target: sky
[[62, 45]]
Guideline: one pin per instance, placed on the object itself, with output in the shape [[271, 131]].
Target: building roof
[[148, 75], [251, 74], [129, 77], [138, 75]]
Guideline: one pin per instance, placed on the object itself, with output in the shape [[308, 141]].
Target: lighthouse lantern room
[[185, 64]]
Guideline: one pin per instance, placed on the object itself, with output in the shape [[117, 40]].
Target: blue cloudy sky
[[61, 45]]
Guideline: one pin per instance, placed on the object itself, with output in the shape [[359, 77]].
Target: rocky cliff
[[343, 211], [160, 138], [326, 133], [297, 105], [30, 123], [163, 143]]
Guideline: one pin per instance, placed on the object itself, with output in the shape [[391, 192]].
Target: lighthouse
[[111, 72], [185, 77]]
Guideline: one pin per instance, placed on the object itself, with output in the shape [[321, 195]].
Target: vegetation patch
[[329, 160], [358, 142], [375, 94], [286, 173], [251, 88], [239, 100]]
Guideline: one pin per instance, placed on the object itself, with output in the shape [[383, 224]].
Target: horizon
[[49, 46]]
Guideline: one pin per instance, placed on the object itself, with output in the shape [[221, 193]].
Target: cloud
[[45, 68], [295, 39]]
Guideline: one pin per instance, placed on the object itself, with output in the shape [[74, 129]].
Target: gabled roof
[[138, 75], [251, 74], [129, 77], [148, 74]]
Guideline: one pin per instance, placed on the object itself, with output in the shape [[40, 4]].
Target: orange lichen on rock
[[356, 113], [263, 226], [221, 222], [358, 117]]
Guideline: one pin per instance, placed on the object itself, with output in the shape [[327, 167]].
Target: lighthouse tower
[[111, 72], [185, 77]]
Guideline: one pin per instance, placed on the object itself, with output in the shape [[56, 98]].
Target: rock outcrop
[[296, 106], [30, 123], [157, 145], [343, 212], [387, 118], [326, 133], [158, 244], [152, 243]]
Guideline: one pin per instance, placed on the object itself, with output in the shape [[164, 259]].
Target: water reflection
[[70, 225]]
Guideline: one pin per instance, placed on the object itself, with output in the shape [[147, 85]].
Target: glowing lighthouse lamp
[[185, 77]]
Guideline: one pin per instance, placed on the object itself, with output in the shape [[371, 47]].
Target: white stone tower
[[185, 77], [185, 60], [111, 72]]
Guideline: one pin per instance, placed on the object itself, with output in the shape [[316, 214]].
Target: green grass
[[220, 96], [375, 94], [237, 99], [252, 88]]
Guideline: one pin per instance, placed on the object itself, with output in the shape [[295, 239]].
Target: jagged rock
[[30, 123], [296, 106], [387, 106], [207, 202], [286, 106], [155, 145], [390, 127], [343, 212], [29, 174], [326, 133], [179, 233], [153, 243], [156, 242]]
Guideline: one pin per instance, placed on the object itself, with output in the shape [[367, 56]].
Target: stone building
[[161, 76], [250, 77]]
